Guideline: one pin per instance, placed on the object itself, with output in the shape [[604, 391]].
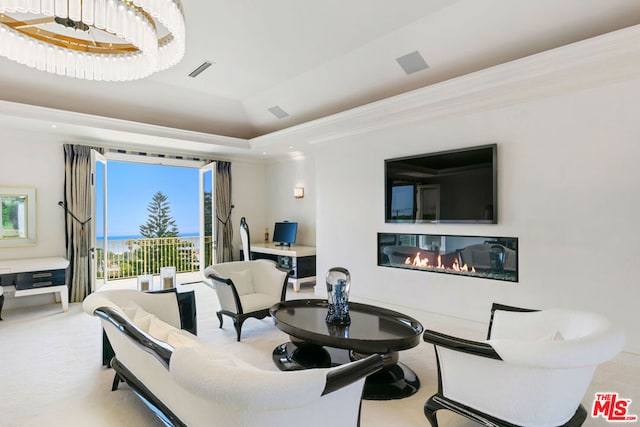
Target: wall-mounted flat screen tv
[[456, 186]]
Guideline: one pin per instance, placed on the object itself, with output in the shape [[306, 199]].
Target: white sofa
[[533, 370], [186, 382]]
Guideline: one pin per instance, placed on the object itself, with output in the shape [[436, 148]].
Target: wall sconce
[[298, 192]]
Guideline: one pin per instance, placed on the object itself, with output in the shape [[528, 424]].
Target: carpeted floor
[[51, 373]]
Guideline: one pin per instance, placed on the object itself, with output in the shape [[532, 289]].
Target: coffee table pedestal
[[394, 381]]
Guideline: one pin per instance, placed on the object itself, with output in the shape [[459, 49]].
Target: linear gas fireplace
[[473, 256]]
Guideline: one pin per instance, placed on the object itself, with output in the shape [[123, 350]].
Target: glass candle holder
[[168, 277], [145, 282]]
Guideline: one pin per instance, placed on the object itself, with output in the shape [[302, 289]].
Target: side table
[[34, 276]]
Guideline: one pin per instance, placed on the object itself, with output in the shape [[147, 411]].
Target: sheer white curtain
[[77, 200], [224, 228]]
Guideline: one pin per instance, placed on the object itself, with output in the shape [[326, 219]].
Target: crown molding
[[109, 130], [592, 62]]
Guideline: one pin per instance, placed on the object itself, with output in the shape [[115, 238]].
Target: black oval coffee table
[[314, 343]]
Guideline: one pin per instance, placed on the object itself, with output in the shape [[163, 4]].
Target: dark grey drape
[[77, 199], [224, 228]]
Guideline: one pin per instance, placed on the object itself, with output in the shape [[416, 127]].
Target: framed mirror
[[18, 216]]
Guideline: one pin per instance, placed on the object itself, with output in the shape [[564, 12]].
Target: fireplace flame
[[417, 261]]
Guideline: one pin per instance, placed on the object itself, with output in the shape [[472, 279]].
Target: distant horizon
[[140, 236]]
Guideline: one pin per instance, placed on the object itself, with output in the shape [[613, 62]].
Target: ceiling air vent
[[201, 68], [412, 62]]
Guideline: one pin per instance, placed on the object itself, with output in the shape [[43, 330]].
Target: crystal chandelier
[[109, 40]]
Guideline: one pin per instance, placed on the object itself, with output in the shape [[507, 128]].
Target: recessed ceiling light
[[278, 112], [54, 126], [412, 62]]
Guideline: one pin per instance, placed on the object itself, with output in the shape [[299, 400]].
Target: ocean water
[[138, 236], [118, 245]]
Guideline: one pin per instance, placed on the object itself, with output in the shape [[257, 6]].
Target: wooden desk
[[300, 259]]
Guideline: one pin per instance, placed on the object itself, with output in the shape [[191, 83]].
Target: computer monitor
[[284, 233]]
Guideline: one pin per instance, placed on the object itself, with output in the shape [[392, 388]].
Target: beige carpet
[[50, 371]]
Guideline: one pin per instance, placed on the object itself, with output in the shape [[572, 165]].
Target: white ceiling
[[312, 59]]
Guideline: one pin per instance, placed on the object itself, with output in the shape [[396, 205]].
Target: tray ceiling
[[306, 60]]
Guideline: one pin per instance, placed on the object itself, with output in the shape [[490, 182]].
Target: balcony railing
[[133, 257]]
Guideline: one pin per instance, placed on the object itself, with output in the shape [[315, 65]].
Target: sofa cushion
[[142, 319], [159, 329], [139, 316], [223, 380], [176, 340], [130, 311], [258, 301]]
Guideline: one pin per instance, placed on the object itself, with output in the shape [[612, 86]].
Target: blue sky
[[130, 187], [402, 200]]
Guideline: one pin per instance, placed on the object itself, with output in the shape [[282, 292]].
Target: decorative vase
[[338, 284]]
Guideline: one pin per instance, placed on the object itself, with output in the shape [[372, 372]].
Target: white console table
[[300, 259], [39, 273]]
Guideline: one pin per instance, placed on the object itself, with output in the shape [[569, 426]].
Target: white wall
[[36, 161], [568, 189], [248, 195], [282, 178]]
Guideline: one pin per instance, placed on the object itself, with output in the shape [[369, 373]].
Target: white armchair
[[534, 368], [247, 289]]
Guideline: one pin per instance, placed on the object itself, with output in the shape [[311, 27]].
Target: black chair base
[[438, 401], [238, 319]]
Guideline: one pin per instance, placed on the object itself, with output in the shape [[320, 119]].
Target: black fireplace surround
[[493, 258]]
